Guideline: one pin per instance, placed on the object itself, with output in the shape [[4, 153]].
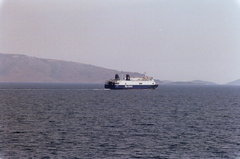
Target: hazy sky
[[168, 39]]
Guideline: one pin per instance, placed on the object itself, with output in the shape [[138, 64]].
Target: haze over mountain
[[235, 83], [22, 68]]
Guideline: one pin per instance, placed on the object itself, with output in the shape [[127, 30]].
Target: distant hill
[[236, 83], [195, 82], [22, 68]]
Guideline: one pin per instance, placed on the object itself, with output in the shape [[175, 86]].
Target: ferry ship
[[131, 83]]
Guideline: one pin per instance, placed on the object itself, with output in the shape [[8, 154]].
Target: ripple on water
[[171, 122]]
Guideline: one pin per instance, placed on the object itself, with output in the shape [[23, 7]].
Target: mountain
[[195, 82], [235, 83], [22, 68]]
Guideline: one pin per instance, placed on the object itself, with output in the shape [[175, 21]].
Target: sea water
[[72, 121]]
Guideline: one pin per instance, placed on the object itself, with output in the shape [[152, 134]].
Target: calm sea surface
[[86, 121]]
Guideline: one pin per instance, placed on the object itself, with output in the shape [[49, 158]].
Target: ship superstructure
[[131, 83]]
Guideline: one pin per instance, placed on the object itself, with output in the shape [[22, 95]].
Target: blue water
[[74, 121]]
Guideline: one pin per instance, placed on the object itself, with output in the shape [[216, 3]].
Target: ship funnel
[[117, 77], [127, 77]]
